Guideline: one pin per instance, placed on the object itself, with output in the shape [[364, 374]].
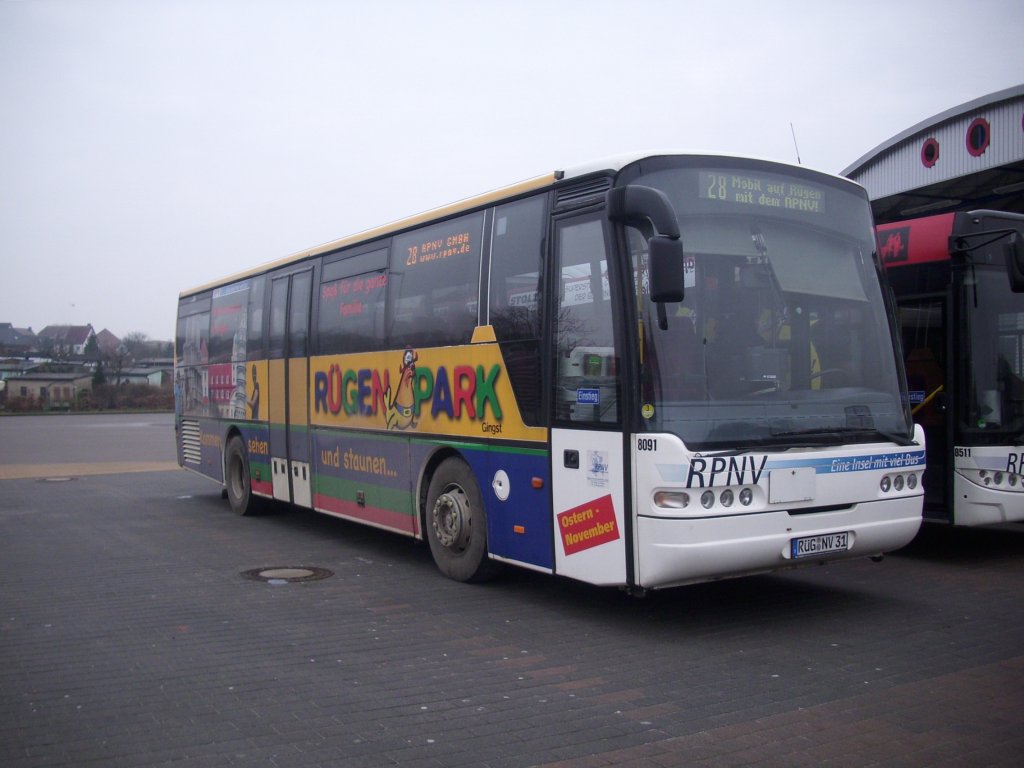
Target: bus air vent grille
[[578, 195], [190, 441]]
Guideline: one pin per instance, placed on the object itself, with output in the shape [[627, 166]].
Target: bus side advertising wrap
[[453, 390]]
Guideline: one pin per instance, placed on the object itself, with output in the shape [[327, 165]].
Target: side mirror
[[665, 262], [652, 213], [1011, 237], [1014, 248]]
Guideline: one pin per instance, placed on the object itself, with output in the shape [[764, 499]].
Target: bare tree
[[136, 342]]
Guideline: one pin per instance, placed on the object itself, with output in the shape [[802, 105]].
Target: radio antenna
[[795, 146]]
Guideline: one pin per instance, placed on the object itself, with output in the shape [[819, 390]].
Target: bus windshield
[[992, 338], [783, 338]]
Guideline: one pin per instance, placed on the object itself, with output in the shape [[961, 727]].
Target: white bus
[[959, 284], [641, 373]]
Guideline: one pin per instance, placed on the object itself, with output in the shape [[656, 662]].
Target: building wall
[[54, 394]]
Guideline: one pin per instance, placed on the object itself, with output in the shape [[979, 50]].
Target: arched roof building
[[965, 158]]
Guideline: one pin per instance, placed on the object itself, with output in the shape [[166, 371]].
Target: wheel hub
[[451, 519]]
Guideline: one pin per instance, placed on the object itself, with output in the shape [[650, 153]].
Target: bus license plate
[[810, 546]]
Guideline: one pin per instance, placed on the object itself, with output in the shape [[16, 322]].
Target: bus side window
[[351, 301], [435, 284], [298, 308], [193, 339], [351, 315], [514, 298], [586, 381], [228, 323], [192, 347], [278, 317], [254, 330]]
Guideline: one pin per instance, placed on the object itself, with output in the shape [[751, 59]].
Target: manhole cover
[[287, 574]]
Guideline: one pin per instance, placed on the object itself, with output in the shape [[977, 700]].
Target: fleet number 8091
[[647, 444]]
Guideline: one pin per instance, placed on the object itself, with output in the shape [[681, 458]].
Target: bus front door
[[925, 333], [288, 387], [587, 445]]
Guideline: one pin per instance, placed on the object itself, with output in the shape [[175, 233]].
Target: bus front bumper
[[976, 505], [674, 551]]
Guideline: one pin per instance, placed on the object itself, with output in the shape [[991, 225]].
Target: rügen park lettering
[[464, 392]]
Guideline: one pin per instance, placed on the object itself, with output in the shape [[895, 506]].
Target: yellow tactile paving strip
[[40, 471]]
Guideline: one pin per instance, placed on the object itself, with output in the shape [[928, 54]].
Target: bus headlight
[[886, 484], [911, 482], [897, 484], [726, 498], [746, 497], [707, 499], [994, 479]]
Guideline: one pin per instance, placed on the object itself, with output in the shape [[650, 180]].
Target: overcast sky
[[150, 146]]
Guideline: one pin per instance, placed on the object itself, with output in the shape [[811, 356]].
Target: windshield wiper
[[839, 434], [779, 441], [903, 440], [810, 438]]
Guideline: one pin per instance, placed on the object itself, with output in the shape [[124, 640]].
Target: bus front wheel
[[456, 524], [237, 480]]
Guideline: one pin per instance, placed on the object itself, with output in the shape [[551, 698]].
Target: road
[[134, 633]]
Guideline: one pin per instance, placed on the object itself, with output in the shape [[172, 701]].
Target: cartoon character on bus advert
[[401, 400]]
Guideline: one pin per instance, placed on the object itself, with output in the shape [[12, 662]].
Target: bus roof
[[915, 241], [608, 165], [513, 190]]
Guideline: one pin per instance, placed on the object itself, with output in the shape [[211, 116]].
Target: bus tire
[[238, 481], [456, 523]]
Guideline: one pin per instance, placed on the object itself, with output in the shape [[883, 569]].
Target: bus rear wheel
[[238, 481], [456, 524]]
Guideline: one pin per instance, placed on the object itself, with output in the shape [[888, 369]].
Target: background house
[[73, 367], [17, 342], [155, 377], [108, 343], [65, 340], [12, 368], [50, 390]]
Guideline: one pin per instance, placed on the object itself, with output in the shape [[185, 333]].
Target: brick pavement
[[130, 638]]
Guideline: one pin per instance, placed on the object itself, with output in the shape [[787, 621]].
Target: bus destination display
[[761, 191]]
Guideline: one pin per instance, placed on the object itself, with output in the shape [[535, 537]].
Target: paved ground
[[129, 636]]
